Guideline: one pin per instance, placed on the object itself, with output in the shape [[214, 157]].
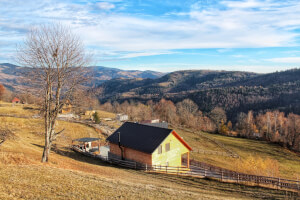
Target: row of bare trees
[[273, 126], [184, 113]]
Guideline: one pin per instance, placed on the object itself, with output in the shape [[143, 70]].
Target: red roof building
[[16, 100]]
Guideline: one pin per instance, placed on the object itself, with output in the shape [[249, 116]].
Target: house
[[16, 100], [87, 144], [67, 108], [122, 117], [148, 145]]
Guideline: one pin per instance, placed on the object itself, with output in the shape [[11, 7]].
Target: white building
[[122, 117]]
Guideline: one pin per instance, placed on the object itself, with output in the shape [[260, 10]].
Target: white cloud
[[243, 4], [229, 24], [105, 5], [288, 60], [238, 56], [139, 54]]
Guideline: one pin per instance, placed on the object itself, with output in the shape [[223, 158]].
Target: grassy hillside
[[288, 161], [69, 175]]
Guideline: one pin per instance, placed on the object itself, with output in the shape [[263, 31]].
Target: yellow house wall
[[173, 156]]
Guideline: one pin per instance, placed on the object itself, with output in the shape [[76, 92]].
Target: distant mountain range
[[102, 74], [232, 90], [11, 75]]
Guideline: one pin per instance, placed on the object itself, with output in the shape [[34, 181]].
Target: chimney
[[119, 141]]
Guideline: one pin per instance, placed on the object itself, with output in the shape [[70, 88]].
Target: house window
[[159, 149], [168, 147]]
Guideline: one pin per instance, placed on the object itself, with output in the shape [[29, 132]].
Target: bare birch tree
[[58, 59]]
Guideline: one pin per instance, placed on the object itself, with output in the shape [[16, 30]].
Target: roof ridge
[[148, 125]]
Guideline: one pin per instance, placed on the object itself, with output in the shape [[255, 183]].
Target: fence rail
[[202, 170], [209, 152]]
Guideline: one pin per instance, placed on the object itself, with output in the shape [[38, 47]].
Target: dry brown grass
[[18, 109], [104, 114], [69, 175], [264, 153]]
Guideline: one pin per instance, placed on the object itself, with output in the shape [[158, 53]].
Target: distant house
[[149, 145], [67, 108], [149, 121], [257, 135], [155, 122], [16, 100], [90, 114], [121, 117]]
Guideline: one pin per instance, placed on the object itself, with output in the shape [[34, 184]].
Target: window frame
[[159, 150], [168, 145]]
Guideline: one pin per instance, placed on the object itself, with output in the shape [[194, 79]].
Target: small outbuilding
[[87, 144], [121, 117], [16, 100], [67, 107], [148, 145]]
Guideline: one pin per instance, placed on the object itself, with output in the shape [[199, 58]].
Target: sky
[[167, 35]]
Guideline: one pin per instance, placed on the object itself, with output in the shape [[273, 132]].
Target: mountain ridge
[[10, 74], [232, 90], [235, 91]]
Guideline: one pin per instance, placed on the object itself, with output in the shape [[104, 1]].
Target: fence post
[[135, 165], [204, 172], [279, 182], [238, 177], [146, 167], [177, 170]]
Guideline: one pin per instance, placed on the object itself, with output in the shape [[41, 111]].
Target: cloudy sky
[[167, 35]]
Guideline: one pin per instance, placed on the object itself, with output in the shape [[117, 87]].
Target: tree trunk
[[47, 147], [48, 128]]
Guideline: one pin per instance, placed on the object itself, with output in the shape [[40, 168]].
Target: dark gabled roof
[[86, 139], [140, 137]]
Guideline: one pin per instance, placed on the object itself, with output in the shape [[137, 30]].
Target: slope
[[72, 176]]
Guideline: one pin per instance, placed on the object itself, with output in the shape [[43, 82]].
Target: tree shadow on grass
[[68, 152]]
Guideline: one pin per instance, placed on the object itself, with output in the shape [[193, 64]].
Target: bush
[[96, 118]]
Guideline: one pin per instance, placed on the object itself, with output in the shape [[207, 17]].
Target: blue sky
[[167, 35]]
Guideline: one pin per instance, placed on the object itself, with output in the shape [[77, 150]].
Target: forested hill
[[234, 91]]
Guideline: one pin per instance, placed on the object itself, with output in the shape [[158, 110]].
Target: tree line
[[272, 126]]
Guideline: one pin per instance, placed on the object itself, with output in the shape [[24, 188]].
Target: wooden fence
[[209, 152], [225, 174], [202, 170]]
